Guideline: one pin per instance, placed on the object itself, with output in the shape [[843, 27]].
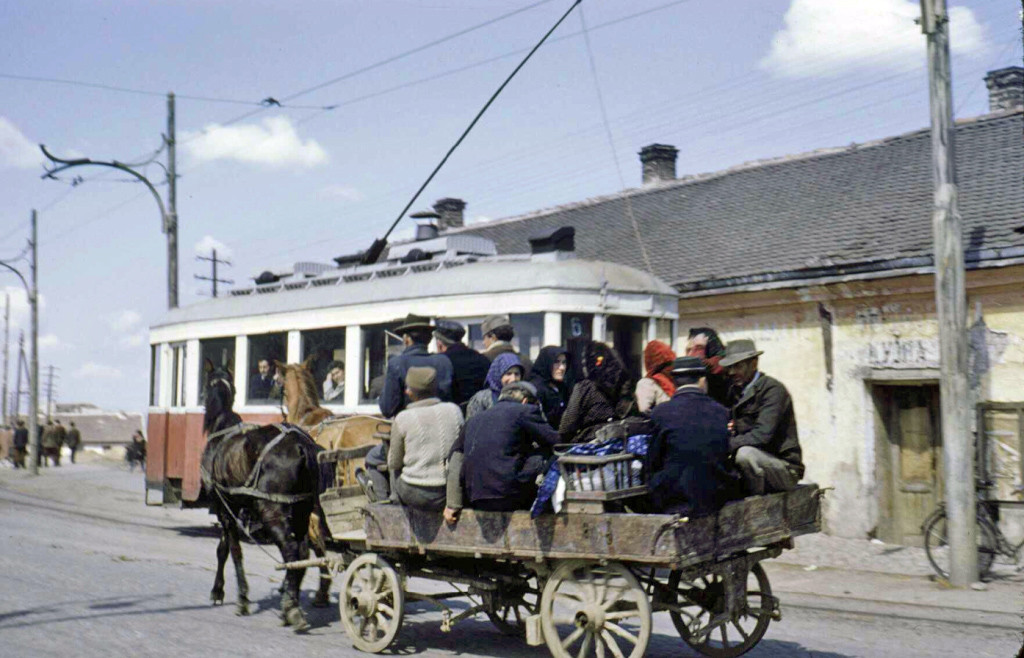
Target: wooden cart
[[584, 583]]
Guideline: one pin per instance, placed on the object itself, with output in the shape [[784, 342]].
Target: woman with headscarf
[[657, 385], [604, 395], [548, 377], [505, 369]]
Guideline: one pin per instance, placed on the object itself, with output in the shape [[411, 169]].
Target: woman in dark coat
[[548, 377], [604, 395]]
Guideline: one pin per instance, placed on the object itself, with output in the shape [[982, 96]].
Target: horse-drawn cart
[[584, 583]]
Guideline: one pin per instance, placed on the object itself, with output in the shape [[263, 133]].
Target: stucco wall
[[882, 330]]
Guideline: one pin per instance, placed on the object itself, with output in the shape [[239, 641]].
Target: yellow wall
[[881, 330]]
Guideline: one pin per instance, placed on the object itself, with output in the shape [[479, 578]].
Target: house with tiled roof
[[825, 260]]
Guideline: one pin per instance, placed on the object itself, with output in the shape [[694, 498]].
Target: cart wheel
[[513, 604], [704, 599], [588, 609], [372, 603]]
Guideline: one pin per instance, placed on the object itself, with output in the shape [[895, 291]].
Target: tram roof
[[446, 277]]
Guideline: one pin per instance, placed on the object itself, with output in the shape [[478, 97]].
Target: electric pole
[[33, 380], [171, 218], [214, 261], [7, 328], [49, 393], [950, 306], [22, 366]]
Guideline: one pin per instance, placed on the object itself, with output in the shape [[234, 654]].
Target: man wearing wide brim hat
[[764, 434], [688, 456], [469, 367], [416, 331]]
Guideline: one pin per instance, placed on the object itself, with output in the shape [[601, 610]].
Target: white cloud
[[343, 192], [93, 370], [273, 143], [19, 306], [208, 244], [16, 150], [52, 343], [823, 38], [124, 321], [133, 340], [479, 218]]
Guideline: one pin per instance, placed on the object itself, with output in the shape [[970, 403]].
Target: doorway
[[909, 465]]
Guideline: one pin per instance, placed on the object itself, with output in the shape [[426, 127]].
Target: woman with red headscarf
[[657, 385]]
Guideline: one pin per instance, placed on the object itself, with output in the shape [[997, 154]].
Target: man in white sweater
[[422, 435]]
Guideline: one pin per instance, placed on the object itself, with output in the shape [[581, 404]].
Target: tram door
[[627, 335]]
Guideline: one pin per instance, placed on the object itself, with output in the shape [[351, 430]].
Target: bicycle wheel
[[936, 545]]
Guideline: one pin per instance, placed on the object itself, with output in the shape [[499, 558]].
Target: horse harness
[[249, 488]]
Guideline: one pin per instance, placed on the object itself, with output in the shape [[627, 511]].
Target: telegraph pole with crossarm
[[214, 261]]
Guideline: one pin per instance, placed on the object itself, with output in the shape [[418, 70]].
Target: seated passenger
[[500, 455], [604, 395], [505, 369], [422, 435], [687, 458], [548, 377], [656, 386]]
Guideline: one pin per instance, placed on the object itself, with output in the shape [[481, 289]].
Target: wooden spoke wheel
[[372, 603], [512, 604], [592, 610], [703, 600]]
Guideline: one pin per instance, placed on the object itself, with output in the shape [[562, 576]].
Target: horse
[[330, 433], [268, 473]]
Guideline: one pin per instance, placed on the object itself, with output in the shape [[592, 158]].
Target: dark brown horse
[[269, 475]]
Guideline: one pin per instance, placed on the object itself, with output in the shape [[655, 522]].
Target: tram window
[[379, 345], [178, 375], [218, 353], [327, 347], [154, 375], [628, 336], [528, 338], [577, 325], [263, 351]]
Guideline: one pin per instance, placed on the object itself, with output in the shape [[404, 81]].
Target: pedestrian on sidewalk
[[51, 444], [73, 440], [19, 446]]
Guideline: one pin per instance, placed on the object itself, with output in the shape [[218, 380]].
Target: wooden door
[[915, 459]]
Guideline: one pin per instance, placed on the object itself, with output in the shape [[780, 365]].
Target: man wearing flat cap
[[764, 435], [415, 331], [687, 459], [469, 367], [498, 334]]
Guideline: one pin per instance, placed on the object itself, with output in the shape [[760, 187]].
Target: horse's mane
[[220, 399], [310, 399]]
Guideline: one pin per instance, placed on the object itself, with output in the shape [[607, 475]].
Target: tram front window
[[218, 354], [327, 347], [263, 351]]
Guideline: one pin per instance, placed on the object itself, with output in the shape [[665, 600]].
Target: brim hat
[[449, 331], [689, 365], [413, 322], [495, 322], [739, 350]]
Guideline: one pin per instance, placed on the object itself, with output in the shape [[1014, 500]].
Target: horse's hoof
[[322, 600], [296, 620], [217, 598], [242, 609]]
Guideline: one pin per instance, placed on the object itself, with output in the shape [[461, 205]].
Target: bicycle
[[991, 541]]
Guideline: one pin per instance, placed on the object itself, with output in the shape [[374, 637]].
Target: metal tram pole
[[7, 335], [171, 218], [33, 381], [950, 306]]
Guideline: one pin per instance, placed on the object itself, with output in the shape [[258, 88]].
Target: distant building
[[99, 427], [825, 260]]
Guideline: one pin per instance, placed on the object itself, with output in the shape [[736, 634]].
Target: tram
[[343, 313]]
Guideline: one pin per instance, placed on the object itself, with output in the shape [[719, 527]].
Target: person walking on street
[[469, 367], [73, 440], [763, 425], [50, 444], [19, 446]]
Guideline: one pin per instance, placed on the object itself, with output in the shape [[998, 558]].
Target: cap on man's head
[[421, 379], [739, 350], [689, 365], [526, 387], [449, 332], [495, 322]]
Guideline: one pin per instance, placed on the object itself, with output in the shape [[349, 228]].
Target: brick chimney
[[1005, 89], [659, 163], [450, 211]]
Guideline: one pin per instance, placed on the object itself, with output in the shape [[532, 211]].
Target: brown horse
[[329, 432]]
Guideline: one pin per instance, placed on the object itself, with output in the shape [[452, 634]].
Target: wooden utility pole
[[49, 393], [17, 374], [213, 279], [35, 452], [7, 332], [171, 219], [951, 306]]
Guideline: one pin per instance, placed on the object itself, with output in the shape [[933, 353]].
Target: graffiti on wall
[[904, 353]]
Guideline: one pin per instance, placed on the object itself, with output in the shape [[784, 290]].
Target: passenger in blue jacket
[[416, 333], [501, 453], [687, 459]]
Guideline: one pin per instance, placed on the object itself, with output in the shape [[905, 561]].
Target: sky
[[372, 93]]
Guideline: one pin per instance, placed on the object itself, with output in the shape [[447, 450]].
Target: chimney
[[1005, 89], [426, 224], [450, 211], [659, 163]]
